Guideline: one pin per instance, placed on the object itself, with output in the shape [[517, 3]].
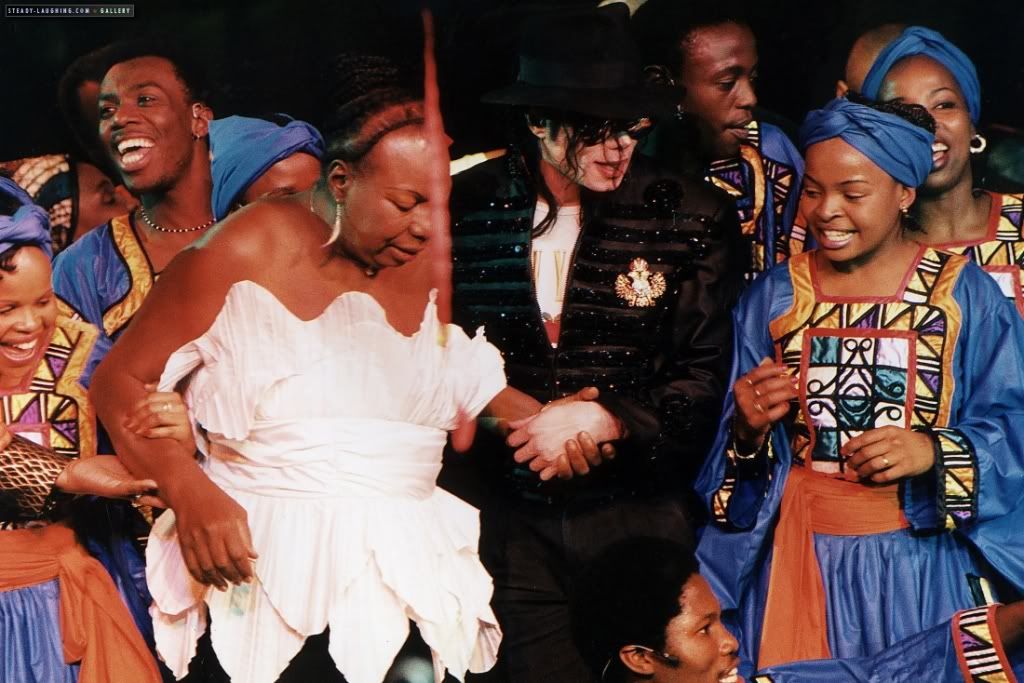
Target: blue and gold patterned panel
[[854, 381]]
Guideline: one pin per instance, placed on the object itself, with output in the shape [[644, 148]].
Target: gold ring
[[135, 500], [166, 407], [749, 383], [758, 406], [885, 461], [757, 393]]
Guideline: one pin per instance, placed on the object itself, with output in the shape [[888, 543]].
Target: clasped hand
[[567, 437]]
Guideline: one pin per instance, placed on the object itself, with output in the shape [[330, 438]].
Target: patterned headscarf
[[52, 183], [243, 148], [918, 40], [30, 225], [898, 147]]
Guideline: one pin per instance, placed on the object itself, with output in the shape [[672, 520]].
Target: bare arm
[[183, 304]]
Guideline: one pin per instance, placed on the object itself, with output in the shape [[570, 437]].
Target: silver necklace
[[159, 228]]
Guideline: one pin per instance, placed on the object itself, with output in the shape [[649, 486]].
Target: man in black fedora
[[607, 285]]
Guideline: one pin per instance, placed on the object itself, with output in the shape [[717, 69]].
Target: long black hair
[[527, 148]]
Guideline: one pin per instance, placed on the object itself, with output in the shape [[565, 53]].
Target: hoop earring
[[978, 144]]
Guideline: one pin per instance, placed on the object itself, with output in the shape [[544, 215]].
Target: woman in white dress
[[325, 388]]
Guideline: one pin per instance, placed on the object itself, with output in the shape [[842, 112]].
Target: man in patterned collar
[[607, 285], [186, 169], [710, 54]]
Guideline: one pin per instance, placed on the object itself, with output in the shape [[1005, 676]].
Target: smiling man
[[186, 169], [710, 54], [153, 124]]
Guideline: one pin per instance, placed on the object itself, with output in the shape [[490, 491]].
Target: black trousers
[[313, 664], [535, 552]]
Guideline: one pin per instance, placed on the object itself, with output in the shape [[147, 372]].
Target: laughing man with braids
[[327, 386]]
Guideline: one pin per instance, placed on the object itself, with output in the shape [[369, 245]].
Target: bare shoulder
[[259, 236]]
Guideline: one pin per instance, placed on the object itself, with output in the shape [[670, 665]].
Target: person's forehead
[[721, 42], [920, 67], [696, 599], [133, 73]]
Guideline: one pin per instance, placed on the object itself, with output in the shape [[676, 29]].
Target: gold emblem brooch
[[639, 287]]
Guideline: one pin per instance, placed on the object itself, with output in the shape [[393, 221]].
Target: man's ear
[[636, 660], [201, 117]]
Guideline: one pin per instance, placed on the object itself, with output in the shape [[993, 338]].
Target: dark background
[[267, 55]]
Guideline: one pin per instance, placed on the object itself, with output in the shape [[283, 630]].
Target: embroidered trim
[[55, 405], [926, 308], [957, 467], [734, 461], [140, 276], [978, 648]]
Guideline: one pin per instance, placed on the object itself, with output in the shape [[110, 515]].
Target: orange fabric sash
[[96, 627], [794, 627]]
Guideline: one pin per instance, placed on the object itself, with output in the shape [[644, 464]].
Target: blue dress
[[104, 278], [966, 649], [923, 359]]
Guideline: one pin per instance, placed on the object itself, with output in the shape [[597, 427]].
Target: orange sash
[[96, 626], [794, 626]]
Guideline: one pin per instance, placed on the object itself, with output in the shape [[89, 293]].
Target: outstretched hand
[[567, 437], [106, 476]]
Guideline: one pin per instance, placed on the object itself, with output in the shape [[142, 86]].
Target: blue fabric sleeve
[[977, 484]]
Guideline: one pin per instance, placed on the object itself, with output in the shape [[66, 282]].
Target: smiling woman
[[48, 444], [859, 450], [921, 67]]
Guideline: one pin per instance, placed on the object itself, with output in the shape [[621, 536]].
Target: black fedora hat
[[584, 61]]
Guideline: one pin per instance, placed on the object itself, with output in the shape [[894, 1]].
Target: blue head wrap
[[30, 224], [243, 148], [898, 147], [918, 40]]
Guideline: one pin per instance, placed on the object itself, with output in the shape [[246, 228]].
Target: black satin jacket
[[661, 363]]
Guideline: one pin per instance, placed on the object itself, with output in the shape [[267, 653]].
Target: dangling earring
[[196, 137], [978, 144], [905, 211], [680, 112], [336, 229]]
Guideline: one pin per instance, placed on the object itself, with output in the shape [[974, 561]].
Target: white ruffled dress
[[329, 433]]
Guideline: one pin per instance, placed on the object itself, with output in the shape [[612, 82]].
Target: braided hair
[[370, 96], [361, 88]]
